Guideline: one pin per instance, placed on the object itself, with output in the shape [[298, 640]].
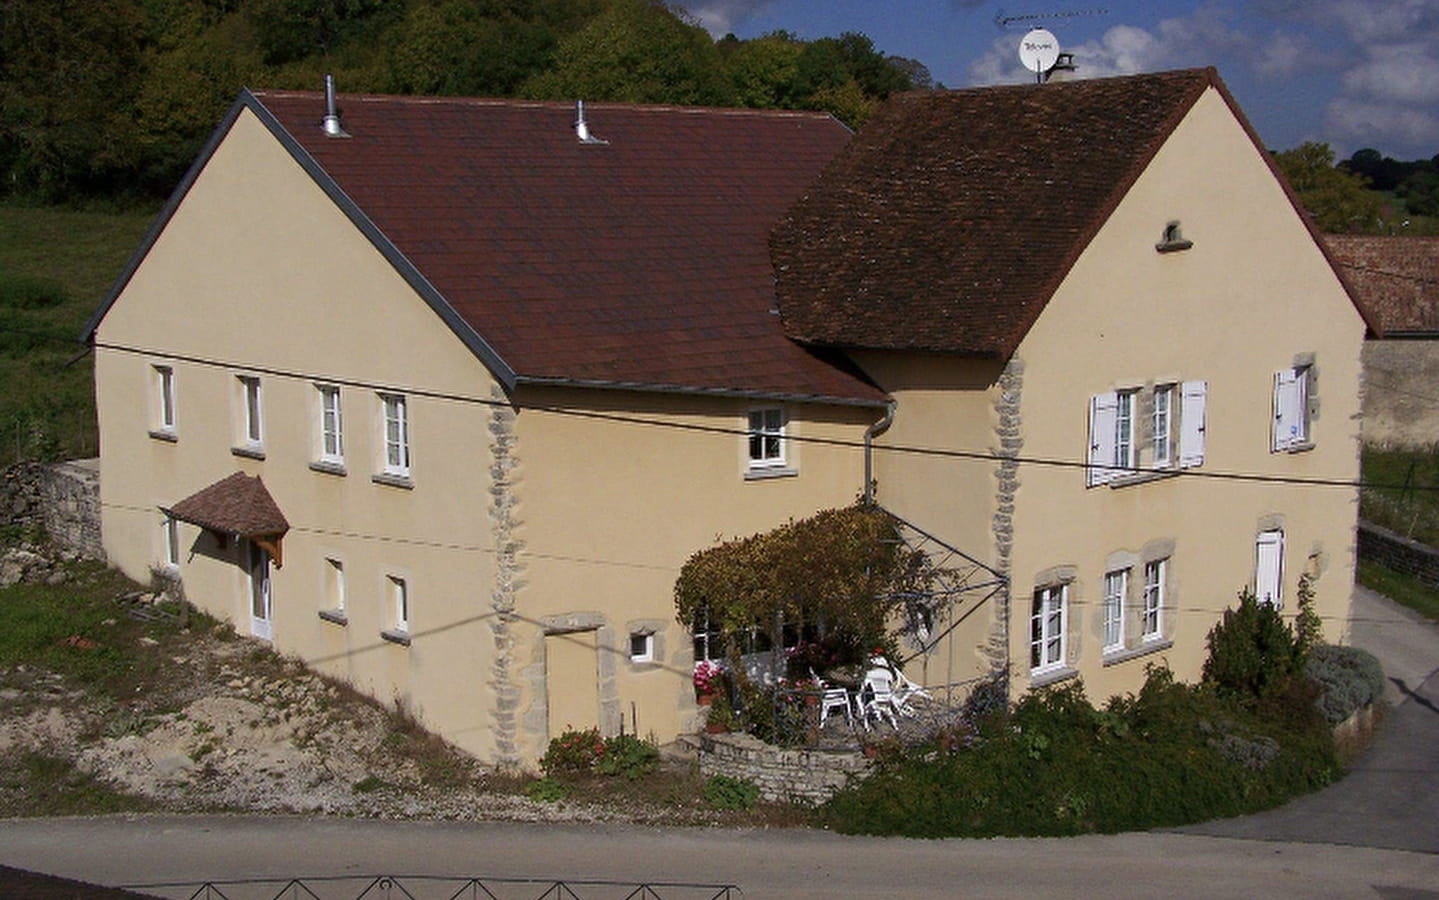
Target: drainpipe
[[869, 433]]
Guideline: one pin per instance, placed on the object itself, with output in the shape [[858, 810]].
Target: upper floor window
[[1293, 390], [397, 435], [1150, 625], [766, 438], [251, 427], [1269, 567], [1135, 430], [332, 438], [1111, 436]]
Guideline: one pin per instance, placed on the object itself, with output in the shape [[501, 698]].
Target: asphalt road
[[1375, 834]]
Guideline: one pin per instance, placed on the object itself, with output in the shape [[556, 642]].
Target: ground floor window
[[1047, 626]]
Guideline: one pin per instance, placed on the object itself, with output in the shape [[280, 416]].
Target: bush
[[627, 756], [1349, 677], [1252, 652], [724, 792], [573, 752]]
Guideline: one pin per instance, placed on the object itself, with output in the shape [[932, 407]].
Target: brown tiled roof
[[1397, 278], [237, 504], [642, 262], [951, 218]]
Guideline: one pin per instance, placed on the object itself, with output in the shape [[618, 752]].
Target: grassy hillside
[[55, 266]]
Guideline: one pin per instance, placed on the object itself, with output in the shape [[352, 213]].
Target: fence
[[432, 887]]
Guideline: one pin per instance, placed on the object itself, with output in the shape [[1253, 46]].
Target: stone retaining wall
[[63, 499], [805, 776], [1399, 553]]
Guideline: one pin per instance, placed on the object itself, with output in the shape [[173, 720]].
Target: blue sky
[[1351, 73]]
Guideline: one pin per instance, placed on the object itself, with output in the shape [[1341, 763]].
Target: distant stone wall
[[807, 776], [63, 499], [1399, 553], [1400, 378]]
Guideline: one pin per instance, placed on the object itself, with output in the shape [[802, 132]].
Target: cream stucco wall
[[1252, 296], [526, 534]]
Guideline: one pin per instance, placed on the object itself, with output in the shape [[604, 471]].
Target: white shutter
[[1193, 397], [1103, 415], [1269, 567], [1288, 410]]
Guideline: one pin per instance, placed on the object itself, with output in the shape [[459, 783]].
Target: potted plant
[[721, 716], [708, 680]]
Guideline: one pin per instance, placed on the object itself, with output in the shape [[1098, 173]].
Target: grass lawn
[[1411, 506], [55, 267], [1400, 588]]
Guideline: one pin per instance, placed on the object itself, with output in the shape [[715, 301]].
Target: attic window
[[1173, 239]]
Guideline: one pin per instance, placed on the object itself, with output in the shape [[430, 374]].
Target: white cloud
[[719, 17], [1387, 126], [1400, 73]]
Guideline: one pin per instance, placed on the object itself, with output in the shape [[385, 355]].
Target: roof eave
[[697, 391]]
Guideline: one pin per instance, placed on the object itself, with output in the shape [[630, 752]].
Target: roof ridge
[[525, 103]]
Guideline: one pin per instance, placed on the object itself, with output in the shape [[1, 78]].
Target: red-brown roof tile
[[949, 221], [236, 504], [1397, 278], [640, 262]]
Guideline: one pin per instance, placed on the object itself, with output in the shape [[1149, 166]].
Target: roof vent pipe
[[332, 118], [582, 128]]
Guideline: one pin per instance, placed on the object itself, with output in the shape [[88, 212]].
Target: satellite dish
[[1039, 51]]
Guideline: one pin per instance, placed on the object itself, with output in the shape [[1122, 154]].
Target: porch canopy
[[236, 505]]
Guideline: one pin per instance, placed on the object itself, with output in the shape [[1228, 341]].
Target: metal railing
[[434, 887]]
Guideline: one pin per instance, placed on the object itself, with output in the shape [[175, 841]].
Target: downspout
[[869, 434]]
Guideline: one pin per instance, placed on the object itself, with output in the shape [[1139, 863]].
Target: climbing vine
[[845, 568]]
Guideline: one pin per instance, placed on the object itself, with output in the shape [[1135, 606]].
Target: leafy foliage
[[583, 752], [840, 566], [1252, 652], [1338, 200], [724, 792], [1056, 765]]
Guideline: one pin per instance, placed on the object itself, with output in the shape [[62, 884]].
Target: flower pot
[[716, 728], [705, 699]]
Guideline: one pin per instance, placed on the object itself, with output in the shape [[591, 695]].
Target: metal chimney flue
[[332, 116], [582, 128]]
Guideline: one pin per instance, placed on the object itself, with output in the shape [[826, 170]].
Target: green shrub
[[1252, 651], [573, 752], [724, 792], [1349, 677], [627, 756], [547, 790]]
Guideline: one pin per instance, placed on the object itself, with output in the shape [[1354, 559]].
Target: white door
[[1269, 567], [259, 591]]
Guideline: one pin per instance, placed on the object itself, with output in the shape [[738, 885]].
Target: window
[[400, 603], [171, 535], [766, 438], [1291, 408], [1122, 437], [397, 435], [1116, 586], [1154, 572], [335, 585], [1163, 426], [253, 435], [332, 438], [642, 646], [1047, 627], [164, 401], [1269, 567], [709, 641]]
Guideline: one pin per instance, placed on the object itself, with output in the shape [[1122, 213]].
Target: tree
[[637, 51], [764, 71], [1337, 200]]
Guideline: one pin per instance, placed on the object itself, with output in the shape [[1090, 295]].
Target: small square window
[[642, 646]]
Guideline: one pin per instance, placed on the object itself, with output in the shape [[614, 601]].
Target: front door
[[259, 564]]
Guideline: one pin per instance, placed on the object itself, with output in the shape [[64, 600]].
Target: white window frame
[[395, 431], [1113, 449], [708, 641], [1151, 611], [1269, 567], [331, 425], [647, 646], [1292, 429], [252, 425], [765, 438], [399, 590], [1163, 426], [1116, 590], [1048, 629], [170, 535], [335, 584], [164, 399]]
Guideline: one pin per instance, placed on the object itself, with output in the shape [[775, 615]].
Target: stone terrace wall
[[61, 498], [809, 776], [1399, 553]]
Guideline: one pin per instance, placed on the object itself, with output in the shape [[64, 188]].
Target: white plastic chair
[[832, 696], [877, 697], [905, 691]]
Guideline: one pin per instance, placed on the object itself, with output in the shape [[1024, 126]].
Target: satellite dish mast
[[1038, 51]]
